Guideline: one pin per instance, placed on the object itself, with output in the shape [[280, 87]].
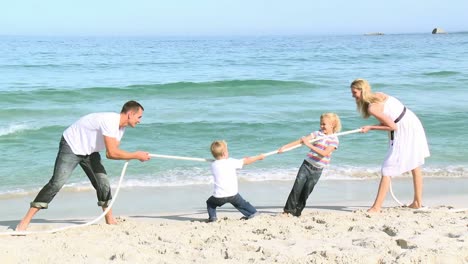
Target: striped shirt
[[323, 142]]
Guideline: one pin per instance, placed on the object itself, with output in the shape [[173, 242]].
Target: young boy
[[225, 182]]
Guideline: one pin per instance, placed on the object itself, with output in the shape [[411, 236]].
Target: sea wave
[[442, 73], [14, 128], [39, 66], [198, 176], [224, 88], [221, 88], [24, 128]]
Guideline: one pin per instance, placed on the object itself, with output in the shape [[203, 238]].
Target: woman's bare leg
[[418, 188], [381, 193]]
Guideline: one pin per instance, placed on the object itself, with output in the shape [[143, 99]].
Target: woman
[[407, 145]]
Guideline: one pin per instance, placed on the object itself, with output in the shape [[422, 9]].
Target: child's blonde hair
[[335, 119], [218, 148]]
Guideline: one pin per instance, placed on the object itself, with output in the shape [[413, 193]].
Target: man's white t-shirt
[[86, 135], [225, 176]]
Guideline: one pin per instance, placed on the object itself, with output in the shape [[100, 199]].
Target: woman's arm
[[376, 110]]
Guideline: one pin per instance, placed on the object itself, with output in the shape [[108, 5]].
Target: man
[[80, 144]]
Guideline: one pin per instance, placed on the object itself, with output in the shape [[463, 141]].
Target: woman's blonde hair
[[367, 97], [218, 148], [335, 119]]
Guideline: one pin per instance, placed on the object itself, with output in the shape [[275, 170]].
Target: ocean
[[257, 93]]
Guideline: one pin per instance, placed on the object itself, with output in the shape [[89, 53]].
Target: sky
[[228, 17]]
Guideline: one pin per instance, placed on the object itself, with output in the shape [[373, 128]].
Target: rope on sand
[[124, 169], [424, 208], [393, 195], [122, 174], [22, 233]]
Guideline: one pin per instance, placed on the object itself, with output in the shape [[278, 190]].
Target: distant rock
[[374, 34], [438, 31]]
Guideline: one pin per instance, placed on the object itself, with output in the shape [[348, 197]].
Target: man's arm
[[114, 152]]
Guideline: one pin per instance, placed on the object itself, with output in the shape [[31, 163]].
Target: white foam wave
[[13, 128], [198, 176]]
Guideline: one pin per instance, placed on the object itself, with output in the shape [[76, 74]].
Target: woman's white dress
[[409, 147]]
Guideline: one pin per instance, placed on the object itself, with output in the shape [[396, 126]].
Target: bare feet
[[373, 210], [284, 214], [22, 226], [415, 205], [24, 223], [110, 220]]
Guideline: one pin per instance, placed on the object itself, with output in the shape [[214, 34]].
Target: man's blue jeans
[[306, 179], [237, 201], [65, 163]]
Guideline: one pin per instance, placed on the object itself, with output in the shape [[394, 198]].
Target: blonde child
[[225, 182], [316, 160]]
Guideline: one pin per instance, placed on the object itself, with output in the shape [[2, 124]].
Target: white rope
[[313, 140], [422, 208], [21, 233], [179, 158], [346, 133], [393, 196], [124, 169]]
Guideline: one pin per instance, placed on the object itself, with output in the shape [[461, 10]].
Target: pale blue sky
[[233, 17]]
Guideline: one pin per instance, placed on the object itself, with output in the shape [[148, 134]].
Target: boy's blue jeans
[[65, 163], [237, 201], [306, 179]]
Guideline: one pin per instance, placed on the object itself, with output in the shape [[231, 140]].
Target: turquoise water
[[256, 93]]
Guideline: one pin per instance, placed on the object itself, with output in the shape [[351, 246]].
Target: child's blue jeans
[[237, 201], [306, 179]]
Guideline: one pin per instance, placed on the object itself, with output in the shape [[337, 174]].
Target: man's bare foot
[[373, 210], [24, 223], [110, 220], [21, 226]]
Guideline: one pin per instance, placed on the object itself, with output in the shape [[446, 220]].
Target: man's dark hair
[[131, 106]]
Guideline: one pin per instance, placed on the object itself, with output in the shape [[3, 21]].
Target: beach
[[254, 76], [155, 227], [257, 93]]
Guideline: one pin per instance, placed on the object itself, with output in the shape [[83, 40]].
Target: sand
[[397, 235], [327, 232]]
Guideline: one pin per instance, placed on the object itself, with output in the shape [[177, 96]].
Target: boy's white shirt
[[225, 176]]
